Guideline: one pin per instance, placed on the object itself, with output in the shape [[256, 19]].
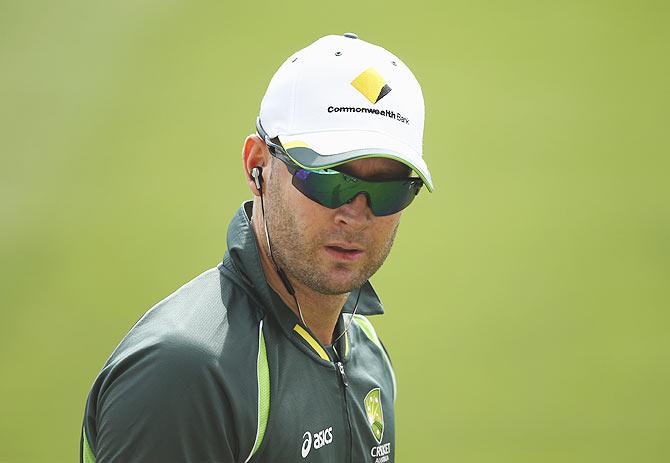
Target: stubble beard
[[297, 255]]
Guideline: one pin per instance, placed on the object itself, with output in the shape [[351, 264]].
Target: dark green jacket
[[223, 371]]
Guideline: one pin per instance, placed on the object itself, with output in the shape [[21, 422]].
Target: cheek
[[308, 215], [385, 227], [388, 222]]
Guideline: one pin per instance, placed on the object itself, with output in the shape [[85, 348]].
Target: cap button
[[350, 35]]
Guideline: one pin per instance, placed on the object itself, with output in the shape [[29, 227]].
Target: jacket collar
[[243, 253]]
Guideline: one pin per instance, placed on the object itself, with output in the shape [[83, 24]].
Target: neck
[[320, 311]]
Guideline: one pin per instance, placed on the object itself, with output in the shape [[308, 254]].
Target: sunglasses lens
[[387, 198], [325, 187], [332, 189]]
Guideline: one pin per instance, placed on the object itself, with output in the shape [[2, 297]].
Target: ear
[[255, 154]]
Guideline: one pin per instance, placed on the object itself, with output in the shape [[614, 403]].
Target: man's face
[[331, 251]]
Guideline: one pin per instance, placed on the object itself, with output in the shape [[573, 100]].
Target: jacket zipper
[[339, 366], [343, 375]]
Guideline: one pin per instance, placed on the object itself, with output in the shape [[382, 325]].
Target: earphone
[[257, 175]]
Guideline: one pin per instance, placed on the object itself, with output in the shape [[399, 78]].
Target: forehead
[[375, 168]]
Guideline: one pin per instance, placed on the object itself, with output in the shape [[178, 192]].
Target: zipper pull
[[343, 375]]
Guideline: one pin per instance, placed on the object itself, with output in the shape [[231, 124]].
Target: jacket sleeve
[[166, 402]]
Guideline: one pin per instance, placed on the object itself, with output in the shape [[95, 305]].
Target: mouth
[[345, 252]]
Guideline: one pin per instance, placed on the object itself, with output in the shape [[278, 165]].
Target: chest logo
[[316, 440], [373, 408]]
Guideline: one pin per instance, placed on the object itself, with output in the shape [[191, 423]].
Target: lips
[[344, 251]]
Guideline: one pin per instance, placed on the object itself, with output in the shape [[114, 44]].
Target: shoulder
[[190, 362], [365, 325], [197, 319], [207, 327], [366, 333]]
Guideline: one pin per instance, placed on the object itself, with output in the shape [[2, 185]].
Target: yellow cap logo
[[371, 85]]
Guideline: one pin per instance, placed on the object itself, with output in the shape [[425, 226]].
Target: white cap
[[341, 99]]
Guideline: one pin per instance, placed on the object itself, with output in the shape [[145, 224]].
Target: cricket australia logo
[[373, 408]]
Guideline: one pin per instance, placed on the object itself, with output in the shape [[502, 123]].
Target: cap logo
[[371, 85]]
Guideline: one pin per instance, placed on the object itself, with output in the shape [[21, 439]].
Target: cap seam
[[298, 75]]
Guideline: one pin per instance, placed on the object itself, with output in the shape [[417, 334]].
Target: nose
[[356, 213]]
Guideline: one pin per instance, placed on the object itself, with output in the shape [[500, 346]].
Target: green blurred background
[[526, 298]]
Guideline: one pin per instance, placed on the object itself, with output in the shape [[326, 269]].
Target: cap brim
[[322, 150]]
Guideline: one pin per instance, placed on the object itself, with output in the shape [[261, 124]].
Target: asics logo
[[319, 439]]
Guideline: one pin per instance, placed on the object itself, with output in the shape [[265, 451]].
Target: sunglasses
[[332, 188]]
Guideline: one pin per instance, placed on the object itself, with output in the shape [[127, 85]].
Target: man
[[269, 356]]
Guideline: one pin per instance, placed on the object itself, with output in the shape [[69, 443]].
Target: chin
[[332, 279], [342, 286]]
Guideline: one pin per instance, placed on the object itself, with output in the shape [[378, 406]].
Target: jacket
[[223, 371]]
